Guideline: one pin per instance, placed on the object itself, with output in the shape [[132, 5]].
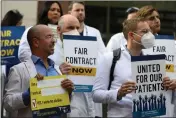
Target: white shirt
[[122, 74], [24, 51], [116, 41]]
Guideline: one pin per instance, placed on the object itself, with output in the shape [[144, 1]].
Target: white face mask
[[147, 40], [72, 32]]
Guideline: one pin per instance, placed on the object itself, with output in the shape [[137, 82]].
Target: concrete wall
[[27, 8], [160, 5]]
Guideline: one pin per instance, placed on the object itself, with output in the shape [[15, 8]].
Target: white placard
[[150, 99], [165, 44], [81, 52]]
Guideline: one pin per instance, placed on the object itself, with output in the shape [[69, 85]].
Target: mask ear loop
[[135, 40], [137, 34]]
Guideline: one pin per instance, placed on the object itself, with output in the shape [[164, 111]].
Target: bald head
[[67, 23], [38, 32], [41, 40], [34, 32]]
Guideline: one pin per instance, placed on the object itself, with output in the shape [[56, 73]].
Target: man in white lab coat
[[82, 104], [118, 39], [119, 98]]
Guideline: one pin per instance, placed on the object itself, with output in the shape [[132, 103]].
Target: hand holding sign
[[68, 85], [65, 68], [39, 77], [169, 84], [126, 88]]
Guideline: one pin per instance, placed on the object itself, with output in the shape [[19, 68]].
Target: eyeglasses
[[144, 31], [51, 37]]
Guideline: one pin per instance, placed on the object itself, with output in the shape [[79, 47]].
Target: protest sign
[[48, 98], [10, 40], [81, 53], [164, 44], [150, 97]]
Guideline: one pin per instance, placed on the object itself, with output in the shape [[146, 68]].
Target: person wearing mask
[[152, 17], [17, 91], [12, 18], [118, 97], [118, 39], [51, 13], [67, 25], [82, 104]]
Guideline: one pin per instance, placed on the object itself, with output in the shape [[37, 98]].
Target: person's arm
[[24, 51], [13, 99], [100, 92]]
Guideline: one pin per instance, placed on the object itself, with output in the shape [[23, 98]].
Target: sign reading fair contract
[[10, 40], [81, 53], [164, 44], [149, 98], [48, 98]]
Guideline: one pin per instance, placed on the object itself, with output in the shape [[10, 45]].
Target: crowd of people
[[42, 55]]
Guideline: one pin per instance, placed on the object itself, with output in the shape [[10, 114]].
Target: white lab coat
[[116, 41], [24, 51], [82, 104], [122, 74]]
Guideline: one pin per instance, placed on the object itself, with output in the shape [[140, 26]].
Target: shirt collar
[[35, 59], [125, 47]]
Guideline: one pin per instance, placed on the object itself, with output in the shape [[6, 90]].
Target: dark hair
[[131, 10], [11, 18], [43, 16], [70, 7]]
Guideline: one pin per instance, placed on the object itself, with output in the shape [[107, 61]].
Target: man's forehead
[[72, 22], [46, 31], [154, 13], [143, 26], [72, 25], [77, 5]]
